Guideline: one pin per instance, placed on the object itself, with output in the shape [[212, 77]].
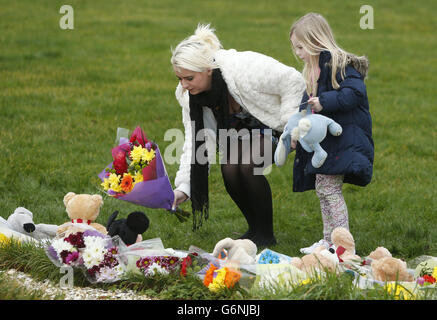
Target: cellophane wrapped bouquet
[[149, 258], [97, 255], [137, 174]]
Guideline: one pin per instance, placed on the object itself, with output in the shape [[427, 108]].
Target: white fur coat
[[261, 85]]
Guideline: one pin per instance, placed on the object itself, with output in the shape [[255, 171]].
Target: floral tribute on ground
[[217, 279], [94, 253], [164, 265], [427, 273]]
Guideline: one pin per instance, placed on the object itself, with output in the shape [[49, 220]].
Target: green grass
[[63, 93]]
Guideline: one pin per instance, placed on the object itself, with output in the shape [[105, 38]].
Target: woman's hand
[[315, 104], [179, 197]]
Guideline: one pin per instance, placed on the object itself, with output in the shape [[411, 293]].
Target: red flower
[[186, 262], [429, 278], [64, 254], [93, 270], [149, 172], [76, 240], [120, 163], [139, 136]]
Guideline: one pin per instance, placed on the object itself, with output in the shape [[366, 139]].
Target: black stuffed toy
[[129, 229]]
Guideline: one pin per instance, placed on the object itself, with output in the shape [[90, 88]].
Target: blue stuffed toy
[[309, 129]]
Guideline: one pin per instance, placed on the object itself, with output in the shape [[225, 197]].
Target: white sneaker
[[310, 249]]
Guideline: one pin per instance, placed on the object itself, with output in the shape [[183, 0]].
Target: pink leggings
[[332, 204]]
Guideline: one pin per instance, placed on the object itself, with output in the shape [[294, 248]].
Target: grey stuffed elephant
[[22, 221], [309, 129]]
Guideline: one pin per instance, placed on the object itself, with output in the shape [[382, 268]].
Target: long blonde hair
[[315, 35], [196, 53]]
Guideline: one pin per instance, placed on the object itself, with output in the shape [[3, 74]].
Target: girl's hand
[[179, 197], [315, 104]]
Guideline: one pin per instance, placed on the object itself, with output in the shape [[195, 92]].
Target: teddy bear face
[[21, 221], [342, 237], [83, 206]]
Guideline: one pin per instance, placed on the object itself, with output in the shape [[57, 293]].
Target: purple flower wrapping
[[93, 233], [52, 253], [156, 193]]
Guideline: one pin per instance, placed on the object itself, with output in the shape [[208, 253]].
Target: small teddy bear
[[130, 229], [309, 129], [342, 250], [83, 210], [22, 221], [390, 269], [240, 250], [344, 244]]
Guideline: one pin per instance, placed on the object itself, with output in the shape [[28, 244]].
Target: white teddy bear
[[21, 221], [240, 250]]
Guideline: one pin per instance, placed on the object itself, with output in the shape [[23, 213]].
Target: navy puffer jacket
[[351, 153]]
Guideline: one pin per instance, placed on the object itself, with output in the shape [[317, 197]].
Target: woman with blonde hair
[[222, 90], [334, 88]]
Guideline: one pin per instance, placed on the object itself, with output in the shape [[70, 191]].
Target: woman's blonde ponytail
[[196, 52]]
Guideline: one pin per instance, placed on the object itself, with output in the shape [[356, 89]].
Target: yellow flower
[[310, 280], [116, 188], [136, 154], [148, 155], [306, 281], [105, 184], [114, 181], [219, 281], [4, 239], [138, 177], [399, 291], [434, 273], [114, 178]]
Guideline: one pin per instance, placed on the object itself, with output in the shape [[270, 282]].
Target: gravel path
[[75, 293]]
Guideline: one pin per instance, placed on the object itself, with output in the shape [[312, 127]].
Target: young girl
[[335, 88]]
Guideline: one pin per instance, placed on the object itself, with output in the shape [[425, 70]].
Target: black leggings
[[249, 188]]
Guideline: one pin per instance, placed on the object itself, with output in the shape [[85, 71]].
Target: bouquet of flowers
[[268, 256], [153, 265], [219, 279], [137, 175], [91, 251], [192, 263], [426, 273]]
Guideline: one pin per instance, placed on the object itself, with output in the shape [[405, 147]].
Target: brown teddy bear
[[322, 258], [387, 268], [344, 243], [390, 269], [83, 210]]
